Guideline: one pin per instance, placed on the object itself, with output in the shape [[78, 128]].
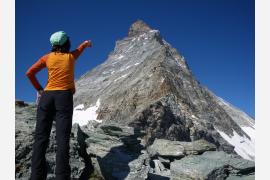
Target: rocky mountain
[[142, 115]]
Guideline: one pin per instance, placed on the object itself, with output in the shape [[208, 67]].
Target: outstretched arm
[[77, 52], [34, 69]]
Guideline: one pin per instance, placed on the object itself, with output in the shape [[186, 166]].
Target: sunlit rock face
[[146, 83]]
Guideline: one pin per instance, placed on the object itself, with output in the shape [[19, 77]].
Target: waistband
[[68, 90]]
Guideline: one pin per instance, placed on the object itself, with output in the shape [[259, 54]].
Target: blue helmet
[[58, 38]]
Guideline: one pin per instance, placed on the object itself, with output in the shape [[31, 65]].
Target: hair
[[63, 48]]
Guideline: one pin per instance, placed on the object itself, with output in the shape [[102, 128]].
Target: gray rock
[[160, 169], [138, 28], [164, 161], [198, 147], [166, 148], [178, 149], [243, 177], [24, 123], [20, 103], [162, 119], [118, 156], [211, 165], [116, 151]]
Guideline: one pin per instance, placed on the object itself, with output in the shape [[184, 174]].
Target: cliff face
[[142, 115], [147, 84]]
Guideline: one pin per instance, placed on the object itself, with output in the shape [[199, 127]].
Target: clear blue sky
[[216, 37]]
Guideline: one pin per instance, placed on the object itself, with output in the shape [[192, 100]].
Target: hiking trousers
[[56, 105]]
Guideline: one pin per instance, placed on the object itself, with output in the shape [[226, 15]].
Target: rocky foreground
[[114, 151]]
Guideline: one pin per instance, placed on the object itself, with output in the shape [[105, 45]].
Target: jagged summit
[[138, 27]]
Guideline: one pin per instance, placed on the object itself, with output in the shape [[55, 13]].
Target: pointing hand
[[89, 43]]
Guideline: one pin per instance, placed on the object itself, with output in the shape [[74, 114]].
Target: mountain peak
[[145, 83], [138, 27]]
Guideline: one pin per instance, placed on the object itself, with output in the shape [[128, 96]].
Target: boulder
[[117, 152], [177, 149], [212, 165]]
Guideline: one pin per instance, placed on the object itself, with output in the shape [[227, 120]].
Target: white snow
[[129, 48], [142, 35], [250, 132], [120, 77], [105, 72], [243, 146], [193, 116], [123, 69], [162, 79], [127, 67], [136, 64], [112, 72], [153, 30], [82, 117], [120, 56]]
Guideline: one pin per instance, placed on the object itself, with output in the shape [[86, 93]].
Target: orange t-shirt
[[60, 69]]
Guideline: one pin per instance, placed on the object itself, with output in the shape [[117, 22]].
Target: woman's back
[[60, 71]]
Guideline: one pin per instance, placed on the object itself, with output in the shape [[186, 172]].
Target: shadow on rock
[[88, 169], [121, 160]]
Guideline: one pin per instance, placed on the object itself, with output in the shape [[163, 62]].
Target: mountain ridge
[[146, 56]]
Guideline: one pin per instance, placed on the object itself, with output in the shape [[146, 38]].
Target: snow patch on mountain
[[250, 132], [120, 77], [83, 116], [243, 146], [120, 56]]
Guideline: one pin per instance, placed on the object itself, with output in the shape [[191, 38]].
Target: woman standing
[[55, 101]]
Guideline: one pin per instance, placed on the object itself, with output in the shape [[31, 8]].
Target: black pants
[[58, 104]]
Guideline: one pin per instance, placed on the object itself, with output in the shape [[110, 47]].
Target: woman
[[56, 101]]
